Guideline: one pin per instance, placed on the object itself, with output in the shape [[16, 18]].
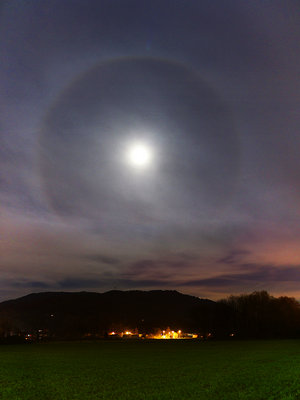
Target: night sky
[[211, 88]]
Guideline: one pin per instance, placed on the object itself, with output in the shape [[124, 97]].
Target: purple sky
[[211, 86]]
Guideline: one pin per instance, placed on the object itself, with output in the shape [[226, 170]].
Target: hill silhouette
[[73, 315]]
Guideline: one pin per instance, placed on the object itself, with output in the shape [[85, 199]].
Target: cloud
[[107, 283], [142, 283], [234, 256], [143, 264], [102, 259], [31, 284], [78, 283], [256, 275], [187, 257], [153, 264]]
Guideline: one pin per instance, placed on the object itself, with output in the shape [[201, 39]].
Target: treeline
[[255, 315]]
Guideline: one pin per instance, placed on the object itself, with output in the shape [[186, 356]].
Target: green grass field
[[151, 370]]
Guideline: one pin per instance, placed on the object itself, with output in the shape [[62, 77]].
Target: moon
[[139, 155]]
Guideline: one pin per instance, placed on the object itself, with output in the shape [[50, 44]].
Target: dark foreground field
[[151, 370]]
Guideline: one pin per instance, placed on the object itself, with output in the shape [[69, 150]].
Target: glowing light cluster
[[167, 334]]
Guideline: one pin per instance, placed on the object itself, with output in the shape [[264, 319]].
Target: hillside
[[71, 315]]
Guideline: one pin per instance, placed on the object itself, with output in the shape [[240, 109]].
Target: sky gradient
[[211, 87]]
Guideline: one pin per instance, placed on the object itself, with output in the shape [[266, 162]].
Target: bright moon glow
[[139, 155]]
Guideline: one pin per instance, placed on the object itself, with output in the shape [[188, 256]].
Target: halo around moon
[[136, 101]]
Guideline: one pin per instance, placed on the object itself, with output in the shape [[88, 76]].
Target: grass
[[156, 370]]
